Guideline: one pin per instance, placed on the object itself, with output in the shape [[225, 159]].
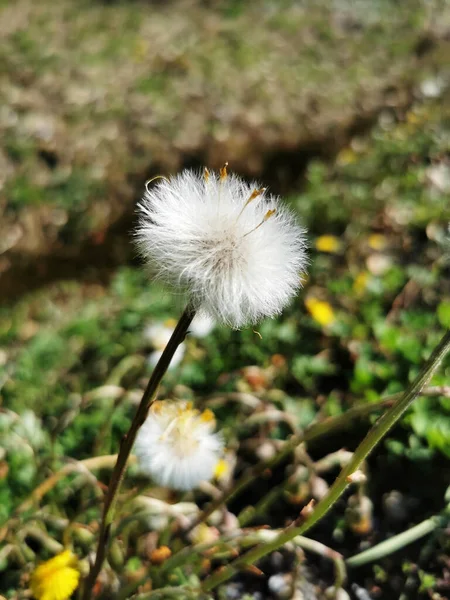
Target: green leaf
[[443, 313]]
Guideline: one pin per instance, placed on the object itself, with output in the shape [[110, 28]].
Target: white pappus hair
[[235, 250], [176, 446]]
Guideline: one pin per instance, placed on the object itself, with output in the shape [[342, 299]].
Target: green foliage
[[431, 421], [443, 313]]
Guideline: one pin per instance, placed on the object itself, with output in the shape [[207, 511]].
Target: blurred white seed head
[[176, 446], [201, 326], [235, 250], [153, 357], [158, 335]]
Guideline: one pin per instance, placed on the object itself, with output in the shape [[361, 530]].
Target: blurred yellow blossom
[[346, 156], [57, 578], [140, 50], [360, 283], [412, 118], [377, 241], [328, 243], [321, 311], [221, 469]]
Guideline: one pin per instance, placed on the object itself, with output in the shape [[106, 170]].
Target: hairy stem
[[127, 443], [378, 431]]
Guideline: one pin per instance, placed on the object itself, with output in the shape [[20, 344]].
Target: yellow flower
[[377, 241], [320, 311], [170, 323], [347, 156], [328, 243], [412, 118], [221, 469], [57, 578], [360, 283]]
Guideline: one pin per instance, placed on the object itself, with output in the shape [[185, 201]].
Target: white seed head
[[153, 357], [176, 446], [158, 335], [201, 326], [235, 250]]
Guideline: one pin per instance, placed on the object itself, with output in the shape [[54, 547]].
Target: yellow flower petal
[[57, 578], [320, 311], [328, 243]]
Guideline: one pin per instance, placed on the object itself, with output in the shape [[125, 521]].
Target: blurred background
[[340, 106]]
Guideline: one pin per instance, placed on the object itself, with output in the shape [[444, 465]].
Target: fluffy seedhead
[[234, 249], [177, 446]]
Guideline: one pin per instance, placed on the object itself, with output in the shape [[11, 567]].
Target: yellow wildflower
[[57, 578], [347, 156], [360, 283], [377, 241], [328, 243], [170, 323], [412, 118], [140, 50], [321, 311], [221, 469]]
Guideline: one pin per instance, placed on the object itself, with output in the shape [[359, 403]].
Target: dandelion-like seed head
[[233, 248], [57, 578], [176, 446]]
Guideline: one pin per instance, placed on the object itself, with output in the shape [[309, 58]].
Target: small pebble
[[432, 88], [360, 592], [394, 506], [277, 561], [281, 585], [234, 591]]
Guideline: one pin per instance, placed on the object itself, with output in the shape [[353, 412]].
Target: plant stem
[[395, 543], [378, 431], [178, 592], [127, 443], [96, 462]]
